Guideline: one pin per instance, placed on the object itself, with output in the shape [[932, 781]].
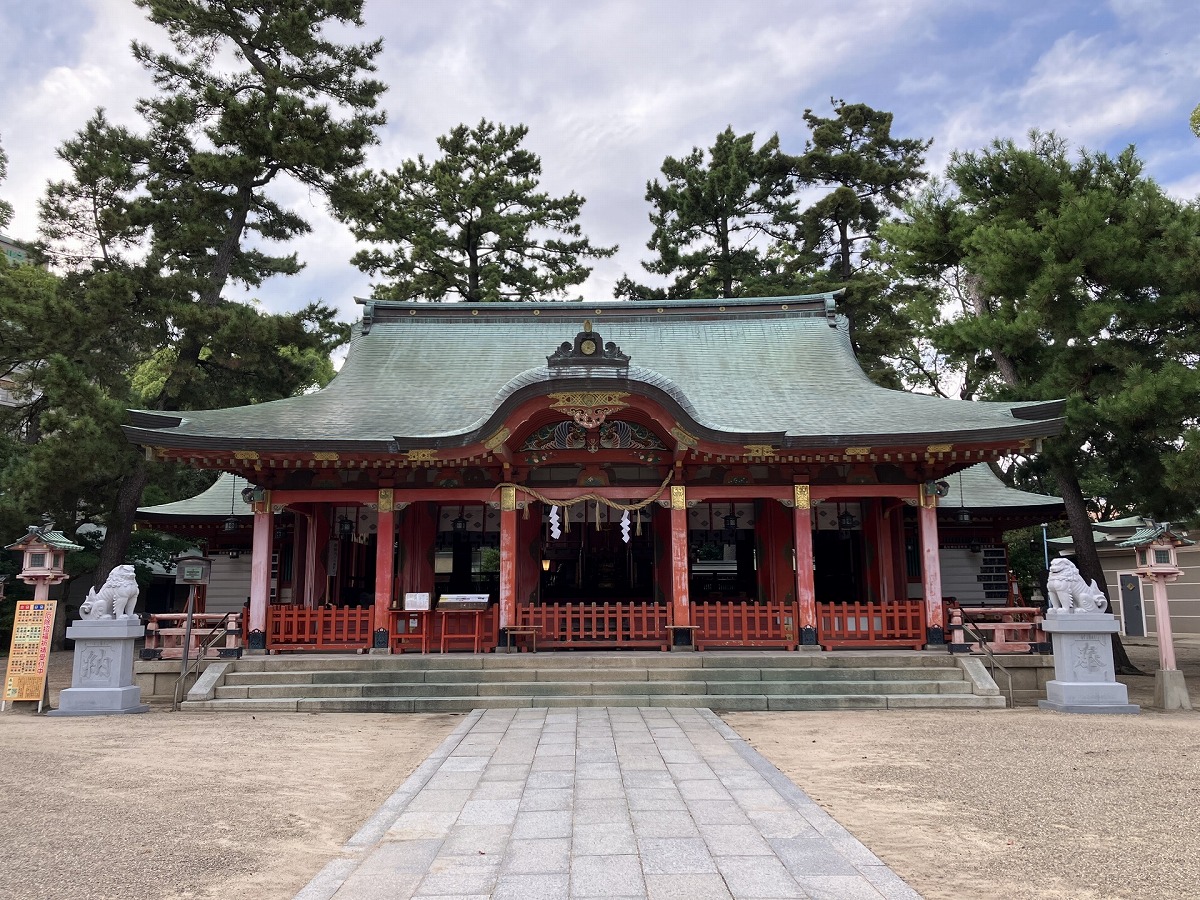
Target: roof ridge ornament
[[588, 349]]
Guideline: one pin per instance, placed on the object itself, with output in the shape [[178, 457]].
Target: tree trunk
[[1004, 365], [1087, 560], [120, 526]]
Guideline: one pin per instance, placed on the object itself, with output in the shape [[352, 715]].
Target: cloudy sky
[[609, 88]]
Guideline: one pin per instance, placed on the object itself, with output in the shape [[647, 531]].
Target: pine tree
[[716, 220], [1082, 280], [155, 223], [472, 223]]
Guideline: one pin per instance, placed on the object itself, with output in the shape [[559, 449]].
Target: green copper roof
[[55, 539], [979, 488], [444, 375], [216, 503], [1156, 531]]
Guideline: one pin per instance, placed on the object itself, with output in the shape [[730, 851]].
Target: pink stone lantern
[[1157, 561]]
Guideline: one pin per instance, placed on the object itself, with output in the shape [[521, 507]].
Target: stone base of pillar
[[102, 673], [1084, 678], [1170, 690]]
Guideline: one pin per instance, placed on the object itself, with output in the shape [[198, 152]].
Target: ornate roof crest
[[588, 349]]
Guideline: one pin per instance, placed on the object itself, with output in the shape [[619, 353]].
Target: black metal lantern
[[730, 521], [963, 516], [846, 520], [231, 522], [459, 522], [345, 527]]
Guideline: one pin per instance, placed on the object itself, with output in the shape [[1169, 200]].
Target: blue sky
[[609, 88]]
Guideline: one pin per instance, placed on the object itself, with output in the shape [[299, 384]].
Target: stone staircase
[[726, 680]]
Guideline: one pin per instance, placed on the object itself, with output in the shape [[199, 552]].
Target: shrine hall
[[702, 473]]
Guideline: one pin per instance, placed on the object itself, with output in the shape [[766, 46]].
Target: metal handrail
[[971, 629], [211, 638]]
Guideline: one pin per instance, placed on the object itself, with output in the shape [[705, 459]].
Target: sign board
[[33, 626], [414, 602], [192, 570], [463, 601]]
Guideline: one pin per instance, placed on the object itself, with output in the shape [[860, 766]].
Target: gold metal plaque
[[497, 439], [325, 456], [385, 500], [421, 455], [508, 499], [939, 448], [678, 496], [759, 450], [803, 495], [683, 437], [245, 454], [857, 451]]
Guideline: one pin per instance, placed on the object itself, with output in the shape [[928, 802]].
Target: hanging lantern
[[459, 522], [345, 527]]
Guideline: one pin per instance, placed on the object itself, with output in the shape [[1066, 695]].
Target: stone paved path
[[564, 803]]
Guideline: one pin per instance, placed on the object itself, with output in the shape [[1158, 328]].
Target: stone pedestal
[[1084, 678], [1170, 690], [102, 677]]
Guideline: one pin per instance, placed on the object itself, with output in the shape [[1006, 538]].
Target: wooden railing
[[618, 625], [165, 634], [899, 624], [722, 623], [1003, 629], [338, 628]]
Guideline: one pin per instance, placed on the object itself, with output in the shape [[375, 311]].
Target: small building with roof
[[715, 473]]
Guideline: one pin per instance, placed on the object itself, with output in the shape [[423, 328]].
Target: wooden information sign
[[33, 626]]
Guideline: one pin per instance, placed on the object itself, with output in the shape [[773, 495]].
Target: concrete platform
[[651, 803]]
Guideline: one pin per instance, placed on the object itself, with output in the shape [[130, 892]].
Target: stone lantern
[[1157, 561], [43, 561]]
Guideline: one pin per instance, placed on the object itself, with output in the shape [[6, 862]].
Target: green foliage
[[471, 223], [6, 210], [732, 223], [1072, 276], [716, 220], [151, 226]]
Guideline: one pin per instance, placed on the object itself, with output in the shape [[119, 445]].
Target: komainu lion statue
[[1068, 591], [116, 598]]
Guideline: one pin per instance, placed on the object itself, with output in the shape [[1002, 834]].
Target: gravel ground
[[1003, 804], [1007, 804]]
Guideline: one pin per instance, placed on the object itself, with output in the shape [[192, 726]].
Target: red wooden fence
[[598, 625], [296, 628], [899, 624], [722, 623]]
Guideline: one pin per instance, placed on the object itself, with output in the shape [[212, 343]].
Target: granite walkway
[[554, 803]]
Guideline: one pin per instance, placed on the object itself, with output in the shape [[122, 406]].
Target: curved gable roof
[[445, 374]]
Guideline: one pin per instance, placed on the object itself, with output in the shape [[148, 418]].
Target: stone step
[[615, 659], [727, 702], [587, 689], [432, 676]]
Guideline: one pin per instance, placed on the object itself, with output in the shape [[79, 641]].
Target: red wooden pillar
[[303, 524], [931, 571], [529, 556], [508, 556], [681, 614], [776, 580], [316, 547], [260, 574], [385, 543], [806, 594], [872, 531], [885, 545]]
